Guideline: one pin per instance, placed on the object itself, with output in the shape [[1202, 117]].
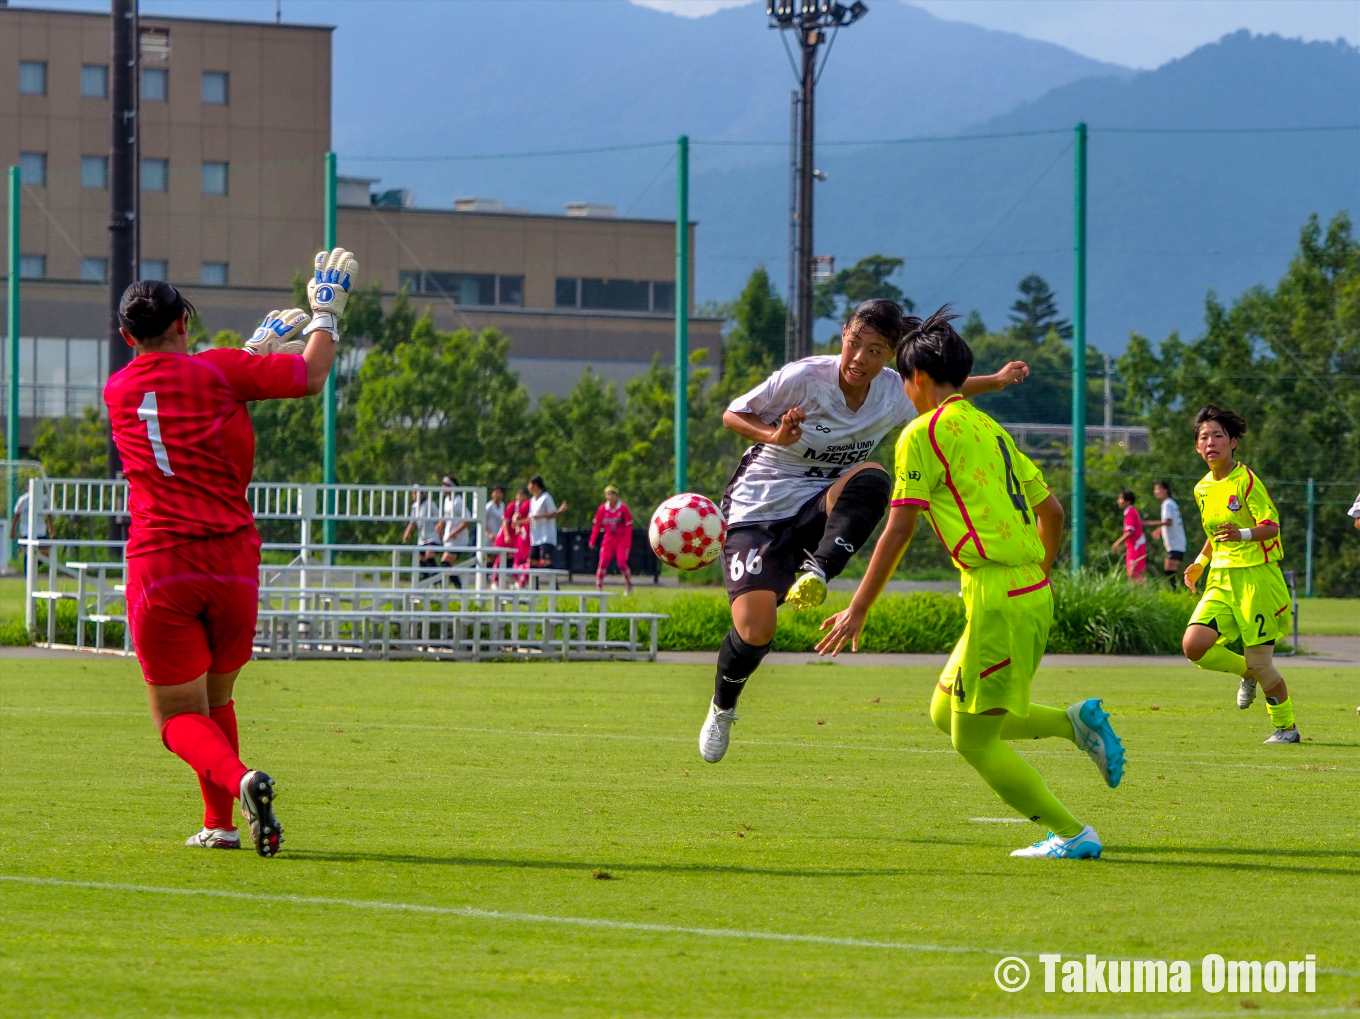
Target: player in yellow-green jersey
[[989, 506], [1245, 596]]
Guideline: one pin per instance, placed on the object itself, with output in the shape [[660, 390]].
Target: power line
[[507, 155]]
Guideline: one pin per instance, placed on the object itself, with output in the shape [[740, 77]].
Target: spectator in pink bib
[[615, 523], [1133, 539]]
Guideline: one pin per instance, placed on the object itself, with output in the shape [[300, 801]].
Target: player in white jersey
[[806, 496]]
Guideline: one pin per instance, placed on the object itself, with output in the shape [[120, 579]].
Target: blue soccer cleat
[[1084, 845], [1091, 725]]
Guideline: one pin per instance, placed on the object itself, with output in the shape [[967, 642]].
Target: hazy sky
[[1135, 33]]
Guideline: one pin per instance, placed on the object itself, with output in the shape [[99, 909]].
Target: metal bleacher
[[330, 599]]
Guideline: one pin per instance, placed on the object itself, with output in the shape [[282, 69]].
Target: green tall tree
[[867, 278], [1288, 360], [754, 346], [1035, 311]]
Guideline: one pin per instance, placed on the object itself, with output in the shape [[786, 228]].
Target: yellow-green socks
[[1220, 659], [1043, 723], [1282, 714], [978, 739]]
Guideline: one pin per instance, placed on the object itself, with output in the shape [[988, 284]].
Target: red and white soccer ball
[[687, 531]]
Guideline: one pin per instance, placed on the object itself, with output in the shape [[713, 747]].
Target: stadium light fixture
[[810, 21]]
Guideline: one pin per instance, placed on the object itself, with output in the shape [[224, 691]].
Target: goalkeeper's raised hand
[[328, 291], [279, 333]]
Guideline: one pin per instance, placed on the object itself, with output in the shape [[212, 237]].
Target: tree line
[[424, 402]]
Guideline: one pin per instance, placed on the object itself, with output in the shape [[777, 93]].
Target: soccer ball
[[687, 531]]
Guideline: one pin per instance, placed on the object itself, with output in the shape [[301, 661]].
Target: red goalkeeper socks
[[217, 803], [200, 743]]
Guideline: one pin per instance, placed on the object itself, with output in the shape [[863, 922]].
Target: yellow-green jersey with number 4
[[979, 492], [1244, 591]]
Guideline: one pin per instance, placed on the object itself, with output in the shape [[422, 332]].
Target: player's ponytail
[[150, 307]]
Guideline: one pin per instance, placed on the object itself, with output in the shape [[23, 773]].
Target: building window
[[94, 172], [568, 292], [94, 81], [214, 88], [33, 169], [33, 77], [95, 269], [615, 295], [470, 288], [214, 178], [213, 274], [155, 174], [155, 85], [32, 267], [155, 269], [510, 291], [663, 297]]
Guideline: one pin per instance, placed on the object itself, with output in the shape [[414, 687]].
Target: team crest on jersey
[[1234, 504]]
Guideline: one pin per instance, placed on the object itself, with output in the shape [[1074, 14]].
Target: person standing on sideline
[[425, 522], [992, 511], [455, 527], [18, 527], [616, 523], [1133, 539], [543, 514], [182, 429], [492, 520], [1354, 512], [1173, 532], [519, 526]]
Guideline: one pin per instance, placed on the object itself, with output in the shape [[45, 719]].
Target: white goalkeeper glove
[[280, 333], [328, 291]]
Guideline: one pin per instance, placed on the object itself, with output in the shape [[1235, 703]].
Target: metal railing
[[314, 606]]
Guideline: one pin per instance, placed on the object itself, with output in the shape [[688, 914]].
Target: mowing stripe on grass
[[473, 913]]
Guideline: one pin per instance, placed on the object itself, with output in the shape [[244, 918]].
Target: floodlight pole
[[328, 397], [809, 19], [123, 115], [682, 314], [12, 345], [1079, 359]]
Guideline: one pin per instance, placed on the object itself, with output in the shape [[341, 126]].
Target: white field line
[[999, 820], [472, 913], [633, 737]]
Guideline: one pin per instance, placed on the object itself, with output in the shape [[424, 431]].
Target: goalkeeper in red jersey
[[184, 435]]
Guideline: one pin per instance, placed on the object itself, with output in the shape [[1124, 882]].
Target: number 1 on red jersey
[[148, 412]]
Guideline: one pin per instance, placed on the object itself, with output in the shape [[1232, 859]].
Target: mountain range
[[1186, 189]]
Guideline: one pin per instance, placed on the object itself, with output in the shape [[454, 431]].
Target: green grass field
[[449, 828]]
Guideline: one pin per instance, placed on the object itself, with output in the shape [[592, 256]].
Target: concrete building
[[235, 124]]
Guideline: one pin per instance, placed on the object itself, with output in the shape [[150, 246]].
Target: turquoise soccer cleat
[[1084, 845], [1094, 734]]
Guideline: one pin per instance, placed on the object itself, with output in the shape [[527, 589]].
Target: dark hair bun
[[150, 307]]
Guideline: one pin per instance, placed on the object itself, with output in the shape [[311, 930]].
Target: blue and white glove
[[328, 291], [281, 332]]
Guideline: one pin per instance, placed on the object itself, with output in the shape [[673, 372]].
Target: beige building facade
[[235, 125]]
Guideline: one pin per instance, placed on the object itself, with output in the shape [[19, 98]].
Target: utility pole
[[1079, 358], [682, 314], [808, 21], [12, 337], [329, 404], [123, 65], [791, 298]]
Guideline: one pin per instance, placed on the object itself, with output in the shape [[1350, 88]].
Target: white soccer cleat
[[257, 803], [714, 735], [214, 838], [1084, 845], [1290, 735], [1246, 691]]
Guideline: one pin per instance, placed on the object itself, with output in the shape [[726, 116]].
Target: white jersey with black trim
[[772, 482]]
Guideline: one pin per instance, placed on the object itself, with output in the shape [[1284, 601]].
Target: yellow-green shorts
[[1010, 611], [1250, 602]]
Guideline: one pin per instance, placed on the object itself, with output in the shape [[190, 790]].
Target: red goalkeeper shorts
[[192, 607]]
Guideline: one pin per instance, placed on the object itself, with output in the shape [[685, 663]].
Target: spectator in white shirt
[[495, 514], [425, 522], [454, 526], [18, 527], [1354, 511], [543, 514], [1172, 527]]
